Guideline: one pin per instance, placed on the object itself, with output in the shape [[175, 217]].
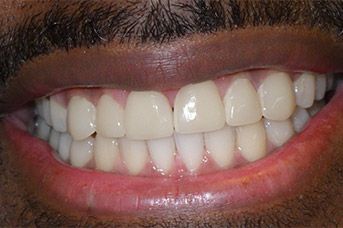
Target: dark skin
[[316, 206]]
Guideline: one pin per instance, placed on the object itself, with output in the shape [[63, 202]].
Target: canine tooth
[[148, 115], [221, 145], [241, 102], [304, 88], [43, 130], [54, 139], [251, 141], [198, 108], [81, 152], [81, 118], [276, 96], [320, 86], [278, 132], [191, 149], [300, 118], [106, 153], [58, 115], [109, 117], [64, 146], [135, 154], [162, 153]]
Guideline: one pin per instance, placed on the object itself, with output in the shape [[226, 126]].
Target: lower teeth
[[175, 155]]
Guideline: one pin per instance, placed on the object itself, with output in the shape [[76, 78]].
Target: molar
[[198, 108], [81, 118], [148, 115]]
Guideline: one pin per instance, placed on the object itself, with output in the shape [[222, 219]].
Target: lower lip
[[289, 171]]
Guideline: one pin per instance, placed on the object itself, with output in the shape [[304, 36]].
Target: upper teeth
[[221, 120]]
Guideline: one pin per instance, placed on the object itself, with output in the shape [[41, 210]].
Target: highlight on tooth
[[199, 128]]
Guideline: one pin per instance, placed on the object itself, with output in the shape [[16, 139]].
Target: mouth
[[239, 140]]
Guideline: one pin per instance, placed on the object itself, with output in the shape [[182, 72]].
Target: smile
[[231, 125]]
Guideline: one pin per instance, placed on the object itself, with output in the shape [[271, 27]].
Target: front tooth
[[191, 149], [251, 141], [110, 118], [198, 108], [242, 105], [64, 146], [148, 115], [106, 153], [221, 146], [276, 96], [81, 152], [300, 118], [304, 88], [320, 87], [54, 139], [43, 130], [81, 118], [135, 154], [278, 132], [162, 153], [58, 115]]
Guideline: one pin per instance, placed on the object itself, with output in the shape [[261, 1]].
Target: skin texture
[[318, 205]]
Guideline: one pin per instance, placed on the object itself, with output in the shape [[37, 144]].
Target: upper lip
[[172, 66]]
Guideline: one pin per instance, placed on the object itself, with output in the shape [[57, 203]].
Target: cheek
[[317, 206]]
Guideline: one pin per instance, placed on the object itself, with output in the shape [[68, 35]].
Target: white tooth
[[148, 115], [81, 152], [320, 86], [276, 96], [221, 146], [162, 153], [106, 153], [43, 107], [191, 149], [316, 107], [198, 108], [64, 146], [278, 132], [241, 102], [110, 118], [304, 88], [135, 155], [54, 139], [251, 141], [43, 130], [58, 115], [81, 118], [300, 118]]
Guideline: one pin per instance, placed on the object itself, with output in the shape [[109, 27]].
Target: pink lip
[[286, 172]]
